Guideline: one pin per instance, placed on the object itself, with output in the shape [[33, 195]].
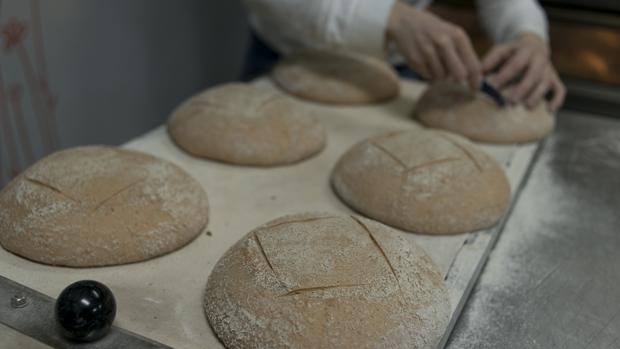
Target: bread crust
[[318, 280], [98, 205], [452, 107], [336, 77], [246, 125], [423, 181]]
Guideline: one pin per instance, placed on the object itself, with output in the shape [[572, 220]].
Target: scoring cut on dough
[[338, 77], [475, 115], [423, 181], [97, 205], [324, 281], [246, 125]]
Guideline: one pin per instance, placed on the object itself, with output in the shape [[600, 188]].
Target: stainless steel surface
[[34, 317], [483, 243], [553, 279], [19, 300], [593, 97]]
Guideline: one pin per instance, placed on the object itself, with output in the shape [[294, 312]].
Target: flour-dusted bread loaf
[[453, 107], [338, 77], [326, 281], [246, 125], [96, 205], [423, 181]]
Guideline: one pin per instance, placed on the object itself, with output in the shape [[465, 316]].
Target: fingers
[[459, 58], [534, 75], [495, 57], [431, 57], [469, 57], [409, 48], [451, 59], [550, 83], [511, 69], [539, 92], [415, 59], [523, 67], [559, 92], [434, 48]]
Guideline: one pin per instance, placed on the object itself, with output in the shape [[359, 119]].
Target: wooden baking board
[[162, 298]]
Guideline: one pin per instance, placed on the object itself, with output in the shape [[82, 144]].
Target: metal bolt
[[19, 301]]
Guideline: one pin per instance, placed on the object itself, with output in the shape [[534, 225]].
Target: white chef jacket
[[287, 25]]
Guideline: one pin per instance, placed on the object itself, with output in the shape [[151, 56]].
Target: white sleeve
[[292, 24], [504, 20]]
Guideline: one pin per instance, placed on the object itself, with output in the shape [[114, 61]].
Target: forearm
[[292, 24], [505, 20]]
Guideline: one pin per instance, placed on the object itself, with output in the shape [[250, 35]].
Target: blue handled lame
[[492, 92]]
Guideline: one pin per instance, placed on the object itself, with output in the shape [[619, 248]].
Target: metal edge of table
[[494, 235]]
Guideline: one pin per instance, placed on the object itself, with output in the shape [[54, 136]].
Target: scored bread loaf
[[423, 181], [475, 115], [338, 77], [246, 125], [326, 281], [97, 205]]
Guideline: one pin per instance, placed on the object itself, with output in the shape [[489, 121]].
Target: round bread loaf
[[475, 115], [423, 181], [246, 125], [95, 205], [324, 281], [337, 77]]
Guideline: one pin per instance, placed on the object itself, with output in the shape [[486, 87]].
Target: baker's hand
[[525, 60], [434, 48]]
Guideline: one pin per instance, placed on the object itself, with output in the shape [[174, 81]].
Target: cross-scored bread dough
[[96, 205], [338, 77], [475, 115], [246, 125], [326, 281], [423, 181]]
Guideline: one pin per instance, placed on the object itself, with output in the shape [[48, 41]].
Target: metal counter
[[553, 279]]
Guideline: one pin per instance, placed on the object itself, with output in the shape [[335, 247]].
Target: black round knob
[[85, 311]]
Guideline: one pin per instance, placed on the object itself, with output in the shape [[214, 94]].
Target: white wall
[[115, 68]]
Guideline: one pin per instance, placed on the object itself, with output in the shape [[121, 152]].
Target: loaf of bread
[[423, 181], [475, 115], [246, 125], [338, 77], [326, 281], [96, 205]]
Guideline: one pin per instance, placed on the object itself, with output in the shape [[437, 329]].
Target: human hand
[[525, 60], [433, 47]]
